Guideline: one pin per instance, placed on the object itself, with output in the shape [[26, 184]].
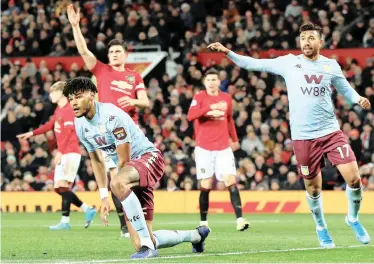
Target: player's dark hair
[[79, 84], [211, 72], [117, 42], [310, 26]]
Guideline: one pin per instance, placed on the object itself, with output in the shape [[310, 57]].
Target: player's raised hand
[[25, 135], [216, 46], [104, 210], [74, 16], [364, 103]]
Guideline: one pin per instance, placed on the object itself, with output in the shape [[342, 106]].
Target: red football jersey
[[212, 133], [113, 85], [62, 123]]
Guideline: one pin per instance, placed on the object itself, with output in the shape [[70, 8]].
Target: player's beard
[[312, 53], [85, 110]]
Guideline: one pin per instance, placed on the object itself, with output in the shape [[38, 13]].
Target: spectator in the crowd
[[368, 38], [292, 182], [370, 185], [259, 183], [260, 105], [252, 143], [293, 10], [171, 185], [274, 185]]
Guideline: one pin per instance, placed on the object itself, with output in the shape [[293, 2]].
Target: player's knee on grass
[[206, 184]]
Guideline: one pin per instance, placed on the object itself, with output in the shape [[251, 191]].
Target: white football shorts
[[67, 170], [218, 162]]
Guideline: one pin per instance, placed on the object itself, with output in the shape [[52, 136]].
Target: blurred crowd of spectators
[[265, 160], [41, 27]]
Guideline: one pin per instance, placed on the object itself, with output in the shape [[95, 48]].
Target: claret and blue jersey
[[309, 87], [109, 128]]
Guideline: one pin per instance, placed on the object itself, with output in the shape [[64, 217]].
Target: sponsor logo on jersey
[[318, 90], [100, 140], [121, 86], [313, 78]]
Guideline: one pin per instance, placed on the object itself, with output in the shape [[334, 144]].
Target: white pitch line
[[163, 223], [187, 255]]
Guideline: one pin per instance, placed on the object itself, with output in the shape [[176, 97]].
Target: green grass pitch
[[25, 238]]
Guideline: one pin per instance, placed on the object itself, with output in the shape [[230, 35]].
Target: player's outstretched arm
[[25, 135], [248, 63], [343, 87], [74, 18], [41, 130], [364, 103]]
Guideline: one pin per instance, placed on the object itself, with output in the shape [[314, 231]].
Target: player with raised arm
[[314, 127], [105, 127], [211, 111], [116, 84], [68, 157]]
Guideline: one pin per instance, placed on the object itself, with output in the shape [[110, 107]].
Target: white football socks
[[169, 238], [316, 207], [84, 207], [65, 219], [354, 197], [135, 214]]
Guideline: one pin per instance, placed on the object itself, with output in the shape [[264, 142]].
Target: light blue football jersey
[[109, 128], [309, 90]]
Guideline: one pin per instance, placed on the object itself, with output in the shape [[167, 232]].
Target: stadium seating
[[265, 160]]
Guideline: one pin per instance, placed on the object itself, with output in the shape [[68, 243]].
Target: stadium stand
[[266, 160]]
